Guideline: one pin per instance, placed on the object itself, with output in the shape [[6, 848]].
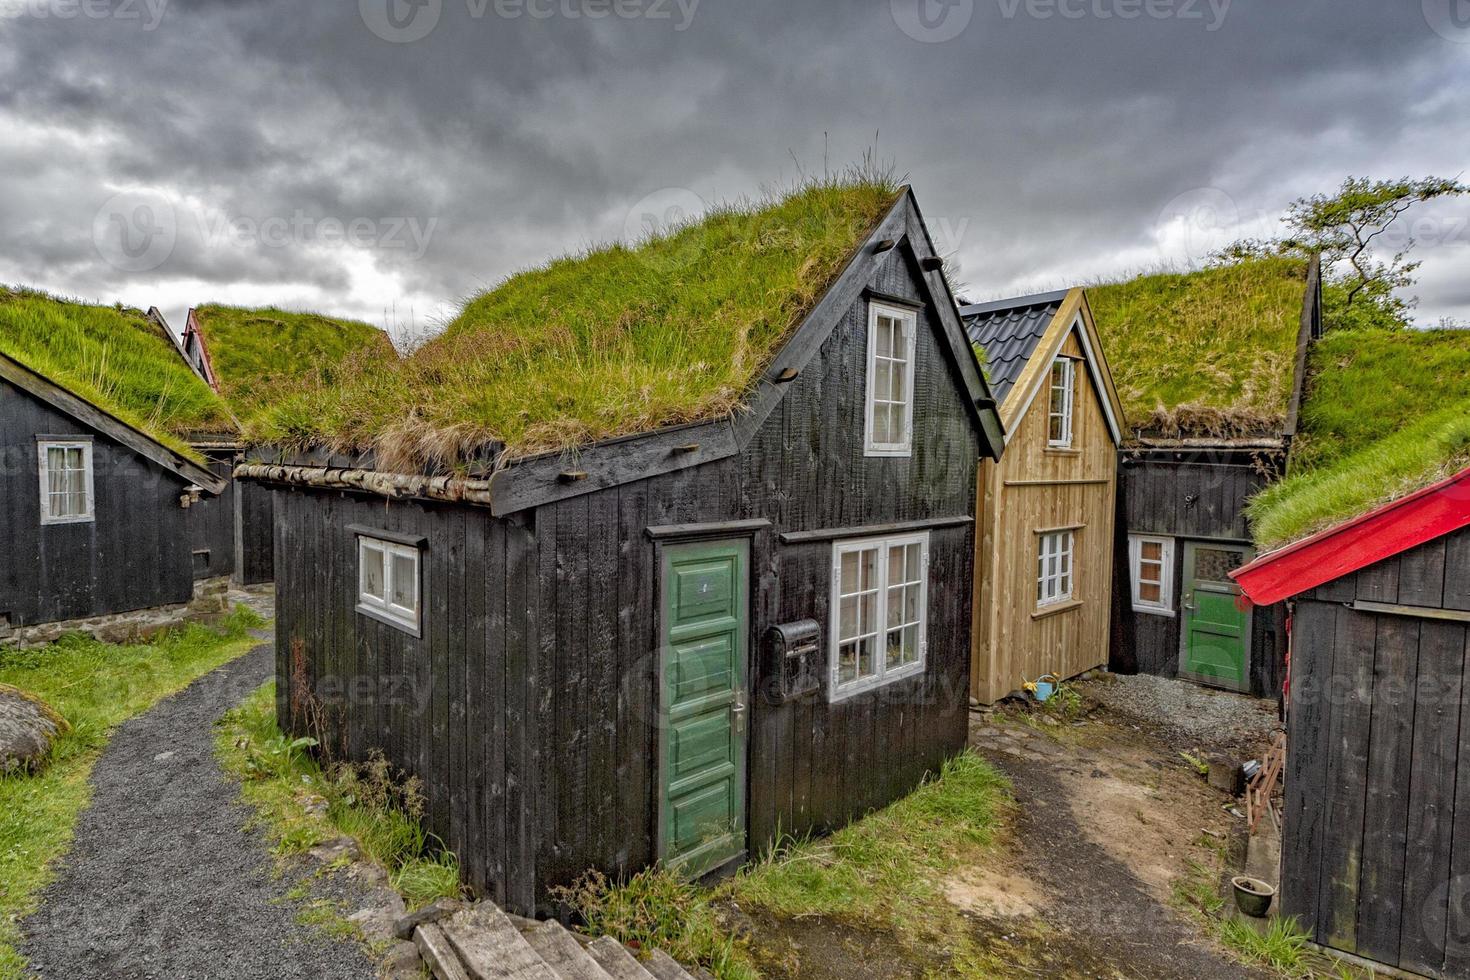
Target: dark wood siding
[[1375, 860], [1198, 495], [135, 555], [534, 718], [254, 534], [211, 523]]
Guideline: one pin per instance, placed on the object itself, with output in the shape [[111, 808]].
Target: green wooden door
[[705, 599], [1216, 631]]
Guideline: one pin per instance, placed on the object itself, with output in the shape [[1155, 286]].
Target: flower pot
[[1252, 896]]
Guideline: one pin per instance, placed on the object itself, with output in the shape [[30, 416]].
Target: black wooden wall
[[211, 522], [1376, 841], [135, 555], [254, 519], [529, 707], [1199, 494]]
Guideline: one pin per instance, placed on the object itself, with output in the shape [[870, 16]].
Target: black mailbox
[[793, 660]]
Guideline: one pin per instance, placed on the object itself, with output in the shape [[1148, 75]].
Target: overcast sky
[[386, 158]]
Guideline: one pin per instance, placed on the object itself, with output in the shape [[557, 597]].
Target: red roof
[[1365, 540]]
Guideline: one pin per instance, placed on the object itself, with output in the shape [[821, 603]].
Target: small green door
[[1216, 631], [704, 601]]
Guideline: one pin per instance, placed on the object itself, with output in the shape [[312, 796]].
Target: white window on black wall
[[880, 612], [388, 582], [889, 418], [1151, 559], [66, 480]]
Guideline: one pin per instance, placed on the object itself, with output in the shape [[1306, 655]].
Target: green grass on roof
[[611, 342], [116, 359], [1207, 351], [259, 354], [1413, 457]]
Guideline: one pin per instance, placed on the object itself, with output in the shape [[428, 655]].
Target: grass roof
[[1385, 413], [259, 354], [115, 358], [1205, 352], [610, 342]]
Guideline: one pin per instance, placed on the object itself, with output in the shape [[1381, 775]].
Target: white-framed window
[[66, 480], [1151, 561], [1054, 566], [889, 424], [1063, 395], [880, 596], [388, 582]]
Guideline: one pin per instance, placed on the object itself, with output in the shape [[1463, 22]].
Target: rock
[[335, 850], [376, 924], [442, 909], [28, 727], [403, 961]]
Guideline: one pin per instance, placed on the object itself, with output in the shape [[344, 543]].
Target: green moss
[[1218, 343], [610, 342], [259, 354], [115, 358]]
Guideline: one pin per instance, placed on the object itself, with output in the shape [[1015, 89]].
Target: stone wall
[[137, 626]]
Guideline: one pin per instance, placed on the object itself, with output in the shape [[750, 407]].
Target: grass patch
[[259, 353], [301, 804], [1415, 456], [620, 339], [115, 358], [95, 686], [1209, 351]]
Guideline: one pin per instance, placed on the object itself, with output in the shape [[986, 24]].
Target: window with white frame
[[66, 481], [880, 602], [388, 582], [1152, 563], [890, 404], [1054, 567], [1063, 395]]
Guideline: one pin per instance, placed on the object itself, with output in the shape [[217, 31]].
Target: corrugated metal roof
[[1008, 330]]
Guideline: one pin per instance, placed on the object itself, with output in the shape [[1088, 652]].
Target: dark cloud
[[1050, 141]]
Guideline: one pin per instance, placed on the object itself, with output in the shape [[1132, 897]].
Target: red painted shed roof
[[1365, 540]]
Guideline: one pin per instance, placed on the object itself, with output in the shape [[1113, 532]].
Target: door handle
[[737, 713]]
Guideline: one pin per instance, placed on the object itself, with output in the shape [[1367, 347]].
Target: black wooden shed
[[672, 646], [1376, 829]]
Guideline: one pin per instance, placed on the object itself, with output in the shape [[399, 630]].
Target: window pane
[[868, 612], [869, 565], [849, 573], [893, 651], [847, 663], [866, 666], [883, 381], [405, 582], [915, 564], [900, 340], [911, 603], [911, 644], [900, 383], [896, 422], [372, 573], [895, 605], [885, 336], [76, 503], [1152, 551], [1150, 592], [881, 432], [848, 620]]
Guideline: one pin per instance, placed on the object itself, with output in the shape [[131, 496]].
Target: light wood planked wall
[[1034, 489]]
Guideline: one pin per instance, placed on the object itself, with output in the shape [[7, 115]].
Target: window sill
[[1154, 611], [880, 453], [49, 521], [1061, 451], [1056, 609], [887, 680], [383, 617]]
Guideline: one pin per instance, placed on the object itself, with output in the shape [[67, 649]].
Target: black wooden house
[[672, 646]]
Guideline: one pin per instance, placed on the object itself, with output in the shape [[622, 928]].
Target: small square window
[[1151, 565], [879, 595], [889, 414], [66, 481], [388, 582], [1054, 567], [1063, 395]]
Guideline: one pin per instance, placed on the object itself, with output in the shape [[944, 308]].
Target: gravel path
[[1188, 712], [162, 880]]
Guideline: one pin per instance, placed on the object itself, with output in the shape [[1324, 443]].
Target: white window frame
[[839, 691], [910, 319], [43, 447], [1069, 400], [1165, 605], [382, 607], [1059, 543]]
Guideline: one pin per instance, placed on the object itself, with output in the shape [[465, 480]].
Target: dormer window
[[890, 403], [1063, 394]]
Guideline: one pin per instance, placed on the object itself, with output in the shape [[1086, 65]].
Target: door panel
[[1216, 633], [702, 760]]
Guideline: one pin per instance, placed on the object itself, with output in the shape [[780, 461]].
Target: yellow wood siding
[[1033, 489]]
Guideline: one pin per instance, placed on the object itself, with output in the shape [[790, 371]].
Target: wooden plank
[[1457, 571], [438, 954], [715, 529], [1457, 924], [875, 530], [603, 680], [1421, 575], [665, 967], [616, 960], [495, 714], [563, 953], [491, 948], [1431, 812], [478, 853], [1385, 814], [522, 754]]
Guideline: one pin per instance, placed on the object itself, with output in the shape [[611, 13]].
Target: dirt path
[[1108, 819], [163, 880]]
